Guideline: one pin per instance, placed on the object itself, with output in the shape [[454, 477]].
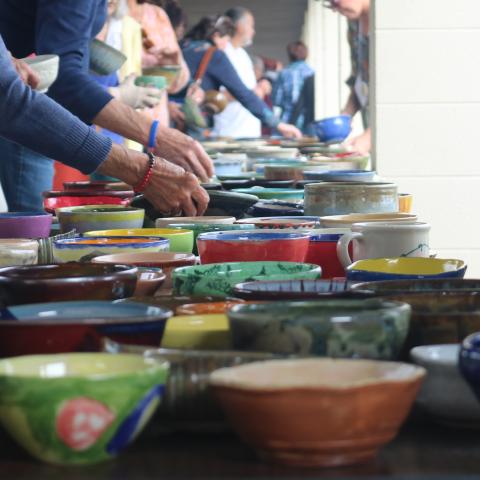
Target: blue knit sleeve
[[37, 122]]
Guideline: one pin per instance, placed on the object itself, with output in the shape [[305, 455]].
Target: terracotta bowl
[[69, 281], [317, 412], [149, 280]]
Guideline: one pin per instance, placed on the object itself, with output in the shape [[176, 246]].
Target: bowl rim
[[83, 242], [424, 355], [264, 235], [188, 257], [92, 209], [459, 265]]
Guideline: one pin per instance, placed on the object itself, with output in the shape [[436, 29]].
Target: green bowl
[[372, 328], [169, 72], [79, 408], [219, 279], [151, 81], [272, 193]]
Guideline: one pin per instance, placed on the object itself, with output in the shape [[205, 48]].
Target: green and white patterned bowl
[[219, 279]]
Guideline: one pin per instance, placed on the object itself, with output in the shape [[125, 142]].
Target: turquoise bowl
[[219, 279], [346, 328], [273, 193]]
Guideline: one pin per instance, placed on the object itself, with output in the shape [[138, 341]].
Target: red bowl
[[52, 203], [94, 186], [252, 246]]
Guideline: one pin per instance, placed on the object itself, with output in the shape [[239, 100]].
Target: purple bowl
[[25, 225]]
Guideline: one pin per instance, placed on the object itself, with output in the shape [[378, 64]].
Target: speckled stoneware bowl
[[67, 410], [219, 279]]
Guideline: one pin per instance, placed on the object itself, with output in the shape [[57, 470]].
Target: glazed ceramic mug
[[384, 240]]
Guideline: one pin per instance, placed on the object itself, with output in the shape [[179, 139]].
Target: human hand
[[184, 151], [176, 115], [263, 88], [28, 76], [362, 144], [166, 55], [134, 96], [289, 131]]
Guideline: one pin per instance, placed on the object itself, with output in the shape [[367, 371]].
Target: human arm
[[362, 143], [28, 76]]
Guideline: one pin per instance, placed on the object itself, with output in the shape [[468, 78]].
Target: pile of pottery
[[281, 315]]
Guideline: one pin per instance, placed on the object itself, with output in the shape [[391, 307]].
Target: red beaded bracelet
[[140, 187]]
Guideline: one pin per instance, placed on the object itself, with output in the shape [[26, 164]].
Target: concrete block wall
[[426, 114]]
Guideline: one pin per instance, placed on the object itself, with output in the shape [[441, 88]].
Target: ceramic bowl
[[405, 202], [291, 172], [164, 222], [219, 279], [333, 129], [149, 280], [445, 396], [272, 151], [154, 81], [197, 332], [66, 409], [25, 225], [405, 268], [276, 208], [167, 261], [230, 203], [346, 221], [215, 101], [469, 361], [73, 281], [281, 222], [338, 198], [228, 167], [276, 407], [64, 327], [181, 241], [272, 193], [46, 67], [170, 72], [16, 252], [188, 404], [206, 308], [104, 59], [272, 290], [96, 217], [341, 176], [356, 328], [252, 182], [53, 203], [94, 186], [199, 228], [264, 245], [84, 249]]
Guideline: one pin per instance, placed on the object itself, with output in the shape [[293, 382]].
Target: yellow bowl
[[197, 332], [405, 202], [181, 241]]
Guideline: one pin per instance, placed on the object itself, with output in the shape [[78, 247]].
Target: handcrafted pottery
[[25, 225], [281, 222], [46, 68], [297, 290], [346, 221], [272, 193], [78, 326], [333, 129], [405, 202], [160, 83], [350, 162], [291, 172], [276, 208], [72, 281], [94, 186], [52, 204], [67, 410], [383, 240], [104, 59], [197, 332], [405, 268], [215, 101], [188, 403], [264, 245], [95, 217], [219, 279], [226, 166], [169, 72], [341, 176], [149, 280], [15, 251], [165, 222], [336, 198], [167, 261], [84, 249], [230, 203], [445, 396], [180, 241], [206, 308], [277, 407], [368, 328], [469, 361], [272, 151], [246, 183]]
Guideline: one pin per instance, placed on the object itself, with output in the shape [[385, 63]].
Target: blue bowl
[[333, 129], [341, 176], [469, 361]]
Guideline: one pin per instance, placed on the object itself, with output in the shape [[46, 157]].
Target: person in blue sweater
[[34, 121], [65, 28], [220, 72]]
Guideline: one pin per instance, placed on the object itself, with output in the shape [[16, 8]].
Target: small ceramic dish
[[445, 396], [104, 59], [220, 279], [272, 193], [17, 252], [25, 225], [180, 241], [346, 221], [95, 217], [169, 72], [405, 268], [276, 407], [66, 409], [263, 245], [368, 328], [60, 327], [84, 249], [333, 129], [219, 220], [73, 281], [46, 67], [281, 222]]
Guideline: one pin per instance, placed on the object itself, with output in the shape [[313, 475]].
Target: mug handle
[[342, 247]]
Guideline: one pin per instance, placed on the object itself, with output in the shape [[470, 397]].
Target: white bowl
[[445, 395], [46, 67]]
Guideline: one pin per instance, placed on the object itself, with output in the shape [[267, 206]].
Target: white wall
[[426, 101]]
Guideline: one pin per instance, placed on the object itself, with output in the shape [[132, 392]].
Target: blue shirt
[[221, 73], [65, 28], [288, 87]]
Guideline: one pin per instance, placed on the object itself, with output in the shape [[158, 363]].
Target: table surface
[[421, 451]]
